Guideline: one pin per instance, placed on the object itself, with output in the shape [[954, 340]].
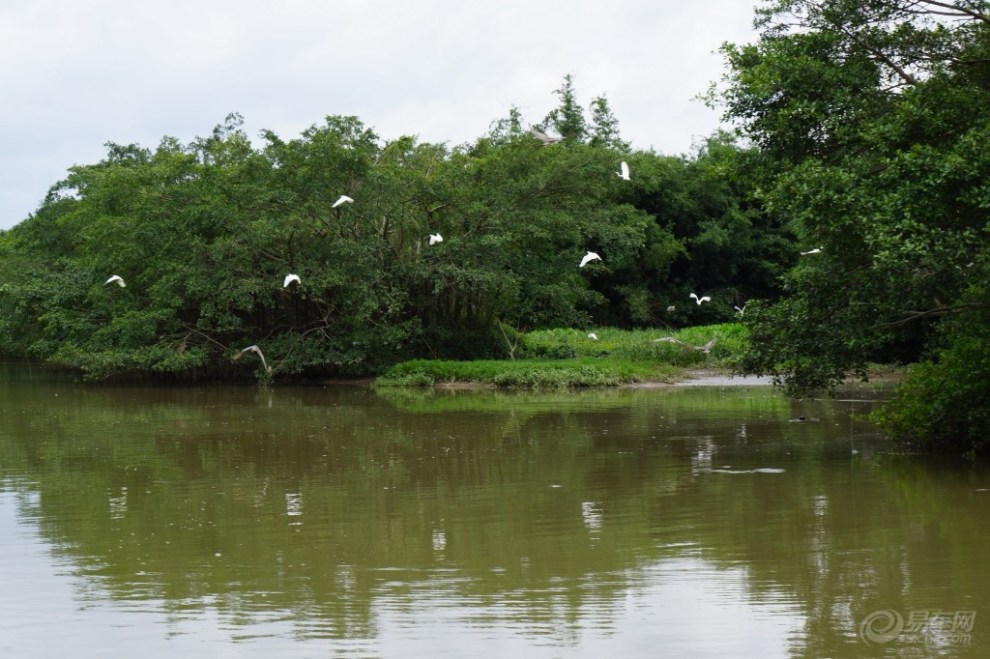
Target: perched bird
[[592, 336], [116, 278], [255, 349], [344, 199], [816, 250], [435, 238], [289, 279], [671, 309], [590, 256], [699, 300], [543, 137], [623, 172]]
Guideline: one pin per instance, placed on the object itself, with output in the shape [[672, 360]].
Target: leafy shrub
[[941, 406]]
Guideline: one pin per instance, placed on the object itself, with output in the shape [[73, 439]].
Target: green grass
[[534, 373], [640, 345], [562, 358]]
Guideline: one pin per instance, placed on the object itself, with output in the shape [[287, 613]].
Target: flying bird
[[344, 199], [435, 238], [543, 137], [592, 336], [699, 300], [707, 348], [255, 349], [289, 279], [590, 256], [816, 250], [740, 310], [116, 278], [623, 172]]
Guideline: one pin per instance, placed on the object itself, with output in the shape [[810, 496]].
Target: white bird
[[707, 348], [592, 336], [740, 310], [344, 199], [699, 300], [816, 250], [289, 279], [543, 137], [116, 278], [590, 256], [255, 349], [671, 309], [435, 238], [623, 172]]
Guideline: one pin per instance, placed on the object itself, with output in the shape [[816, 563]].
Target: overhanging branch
[[945, 310]]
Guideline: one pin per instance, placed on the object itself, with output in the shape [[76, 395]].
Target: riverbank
[[714, 377]]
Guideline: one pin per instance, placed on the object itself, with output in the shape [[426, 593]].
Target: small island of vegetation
[[606, 357]]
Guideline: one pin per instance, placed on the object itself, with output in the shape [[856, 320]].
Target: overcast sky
[[76, 74]]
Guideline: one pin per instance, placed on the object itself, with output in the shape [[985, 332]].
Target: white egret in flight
[[289, 279], [255, 349], [543, 137], [592, 336], [707, 348], [344, 199], [623, 172], [589, 257], [817, 250], [740, 310], [699, 300], [116, 278], [435, 238]]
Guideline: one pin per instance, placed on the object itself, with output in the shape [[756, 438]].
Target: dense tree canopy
[[204, 234], [873, 123]]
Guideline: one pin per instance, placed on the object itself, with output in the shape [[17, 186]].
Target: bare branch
[[942, 310], [958, 11], [209, 338]]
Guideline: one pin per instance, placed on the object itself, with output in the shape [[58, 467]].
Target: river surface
[[702, 521]]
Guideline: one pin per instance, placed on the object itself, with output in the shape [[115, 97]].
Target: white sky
[[76, 74]]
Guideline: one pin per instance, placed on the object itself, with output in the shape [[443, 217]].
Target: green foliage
[[568, 118], [570, 358], [605, 126], [873, 121], [708, 237], [537, 374], [204, 233], [641, 345], [941, 404]]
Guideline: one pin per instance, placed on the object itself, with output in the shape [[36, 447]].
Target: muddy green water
[[334, 521]]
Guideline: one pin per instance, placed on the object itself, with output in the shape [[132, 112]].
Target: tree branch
[[944, 310], [959, 11]]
